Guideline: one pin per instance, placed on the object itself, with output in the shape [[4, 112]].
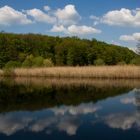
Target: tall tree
[[138, 48]]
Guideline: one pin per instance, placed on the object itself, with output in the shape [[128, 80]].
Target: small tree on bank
[[138, 48]]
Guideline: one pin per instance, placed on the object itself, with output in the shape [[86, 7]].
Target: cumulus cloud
[[64, 20], [47, 8], [82, 30], [58, 28], [134, 37], [40, 16], [10, 16], [122, 17], [68, 15], [75, 30]]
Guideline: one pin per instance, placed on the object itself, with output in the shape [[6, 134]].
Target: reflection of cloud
[[69, 124], [12, 122], [80, 109], [64, 118], [123, 120], [42, 123], [128, 100]]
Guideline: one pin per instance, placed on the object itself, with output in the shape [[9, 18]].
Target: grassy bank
[[106, 72]]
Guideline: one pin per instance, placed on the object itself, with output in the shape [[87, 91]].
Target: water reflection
[[64, 118], [74, 110], [129, 118]]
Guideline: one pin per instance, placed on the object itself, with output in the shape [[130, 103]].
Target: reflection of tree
[[29, 97]]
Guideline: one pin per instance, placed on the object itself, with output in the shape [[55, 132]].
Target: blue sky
[[113, 21]]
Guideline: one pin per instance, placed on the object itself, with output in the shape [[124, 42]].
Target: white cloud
[[122, 17], [75, 30], [10, 16], [58, 28], [47, 8], [68, 15], [134, 37], [94, 17], [82, 30], [40, 16]]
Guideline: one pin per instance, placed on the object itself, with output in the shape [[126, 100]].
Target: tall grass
[[1, 73], [107, 72]]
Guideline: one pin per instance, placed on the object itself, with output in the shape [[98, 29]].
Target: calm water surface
[[29, 110]]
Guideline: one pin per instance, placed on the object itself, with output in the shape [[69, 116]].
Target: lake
[[68, 109]]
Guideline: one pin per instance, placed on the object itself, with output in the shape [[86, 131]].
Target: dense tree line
[[31, 50]]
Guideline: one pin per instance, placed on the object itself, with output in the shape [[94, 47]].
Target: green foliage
[[38, 61], [138, 48], [121, 63], [22, 57], [48, 63], [136, 61], [28, 62], [12, 64], [31, 49], [99, 62]]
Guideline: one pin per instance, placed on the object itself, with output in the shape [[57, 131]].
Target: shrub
[[38, 61], [121, 63], [28, 62], [48, 63], [12, 64], [135, 61], [22, 57], [99, 62]]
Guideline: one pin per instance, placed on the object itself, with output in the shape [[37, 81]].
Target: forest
[[36, 50]]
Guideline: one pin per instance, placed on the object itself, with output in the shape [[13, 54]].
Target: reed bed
[[1, 73], [103, 72]]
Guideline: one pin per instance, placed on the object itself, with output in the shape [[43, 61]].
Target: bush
[[12, 64], [135, 61], [38, 61], [121, 63], [28, 62], [99, 62], [8, 72], [22, 57], [48, 63]]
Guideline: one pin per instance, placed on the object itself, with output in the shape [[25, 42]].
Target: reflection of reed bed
[[77, 82], [106, 72]]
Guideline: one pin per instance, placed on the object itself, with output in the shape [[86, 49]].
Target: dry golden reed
[[107, 72]]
